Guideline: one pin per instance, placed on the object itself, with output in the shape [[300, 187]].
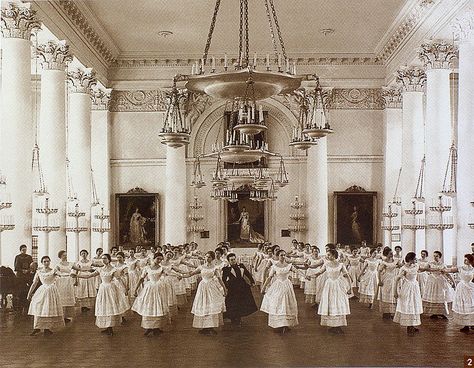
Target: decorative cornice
[[408, 24], [463, 26], [138, 101], [19, 21], [101, 98], [80, 21], [356, 98], [411, 79], [437, 54], [54, 55], [392, 97], [81, 80], [153, 62]]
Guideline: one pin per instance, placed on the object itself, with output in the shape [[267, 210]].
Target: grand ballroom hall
[[292, 188]]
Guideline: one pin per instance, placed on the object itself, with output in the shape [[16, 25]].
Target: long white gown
[[388, 303], [438, 292], [334, 305], [369, 282], [152, 301], [463, 304], [86, 288], [65, 284], [279, 301], [209, 302], [111, 302], [45, 304], [409, 304]]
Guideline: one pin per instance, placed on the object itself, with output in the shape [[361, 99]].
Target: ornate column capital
[[411, 79], [53, 55], [19, 21], [392, 97], [81, 80], [463, 26], [437, 54], [101, 98]]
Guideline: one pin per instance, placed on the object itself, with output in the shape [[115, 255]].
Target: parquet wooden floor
[[368, 341]]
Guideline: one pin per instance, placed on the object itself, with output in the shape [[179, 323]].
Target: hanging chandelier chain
[[280, 38], [211, 30], [246, 19], [241, 31], [272, 31]]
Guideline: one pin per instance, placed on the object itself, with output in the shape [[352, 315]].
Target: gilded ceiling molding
[[437, 54], [19, 21], [80, 21], [101, 98], [189, 62], [392, 97], [54, 55], [356, 98], [408, 24]]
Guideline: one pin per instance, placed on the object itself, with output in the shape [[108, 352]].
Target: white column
[[79, 145], [464, 29], [412, 80], [54, 57], [101, 162], [392, 151], [437, 57], [16, 129], [175, 196], [317, 194]]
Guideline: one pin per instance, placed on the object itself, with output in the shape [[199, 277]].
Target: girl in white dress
[[45, 303], [261, 266], [409, 304], [152, 302], [170, 264], [133, 274], [279, 301], [438, 290], [423, 275], [463, 304], [209, 302], [65, 284], [111, 302], [354, 263], [334, 305], [388, 272], [86, 291], [97, 260], [368, 281], [313, 264]]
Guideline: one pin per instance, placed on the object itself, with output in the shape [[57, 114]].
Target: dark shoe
[[106, 331], [416, 329], [204, 331], [84, 309], [410, 331], [47, 332], [370, 306], [277, 330], [339, 331], [472, 327], [212, 331], [157, 332], [67, 320], [147, 332], [386, 316], [465, 329], [124, 321], [35, 332], [332, 330], [442, 316], [110, 332], [434, 316]]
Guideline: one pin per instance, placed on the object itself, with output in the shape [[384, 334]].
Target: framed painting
[[355, 216], [245, 220], [137, 219]]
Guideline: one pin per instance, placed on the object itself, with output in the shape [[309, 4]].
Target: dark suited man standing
[[22, 269], [239, 301]]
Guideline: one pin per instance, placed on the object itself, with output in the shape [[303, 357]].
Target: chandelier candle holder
[[387, 223], [297, 216], [449, 182], [197, 181], [7, 223], [195, 217], [412, 222], [300, 140], [441, 222], [176, 130], [101, 225], [259, 195], [315, 122], [5, 197], [471, 222], [446, 223], [219, 180], [282, 176], [46, 224], [442, 204], [76, 226]]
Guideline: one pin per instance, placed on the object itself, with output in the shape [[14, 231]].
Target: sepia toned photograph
[[236, 183]]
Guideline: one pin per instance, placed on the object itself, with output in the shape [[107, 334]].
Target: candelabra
[[297, 216], [443, 204], [414, 223], [195, 217], [389, 215], [7, 222], [471, 222], [45, 225], [75, 226], [102, 226]]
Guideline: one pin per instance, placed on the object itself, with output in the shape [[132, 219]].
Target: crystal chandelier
[[176, 131], [297, 216], [195, 217]]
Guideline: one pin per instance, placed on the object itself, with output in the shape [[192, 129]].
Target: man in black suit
[[239, 301]]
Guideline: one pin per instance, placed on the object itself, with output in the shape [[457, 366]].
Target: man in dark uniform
[[22, 269], [239, 301]]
